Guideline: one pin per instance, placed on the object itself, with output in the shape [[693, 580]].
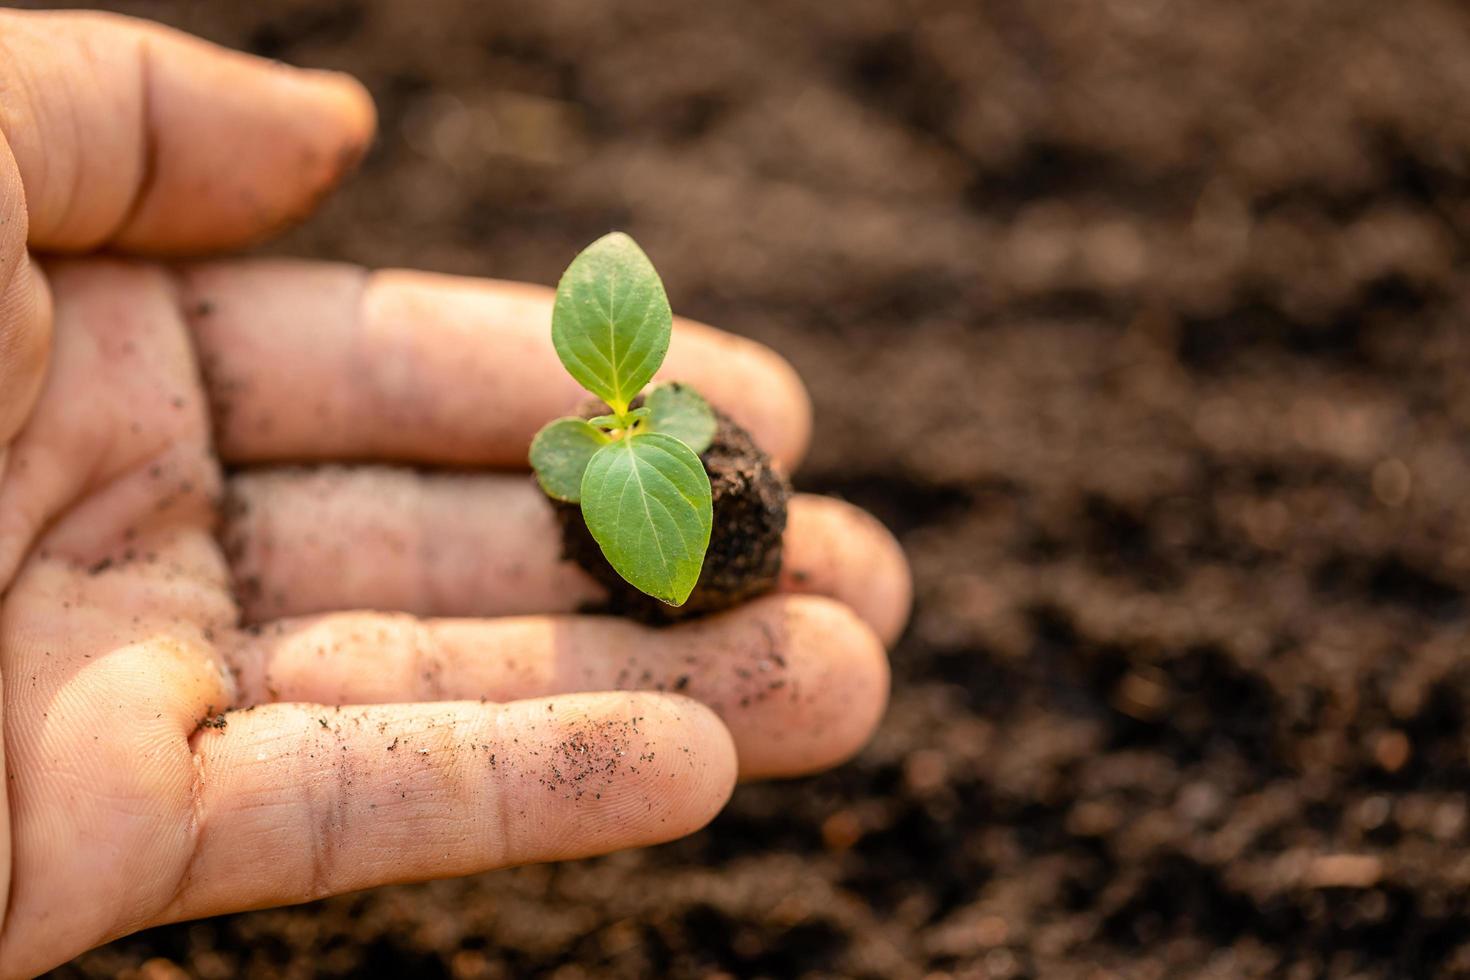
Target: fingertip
[[349, 107], [834, 549], [791, 438], [708, 749], [781, 411], [637, 769], [241, 147], [817, 690], [855, 672], [756, 386]]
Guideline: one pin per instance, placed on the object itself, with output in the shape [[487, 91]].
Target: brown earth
[[748, 500], [1142, 322]]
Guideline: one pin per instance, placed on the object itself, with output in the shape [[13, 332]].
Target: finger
[[488, 545], [25, 307], [397, 540], [834, 549], [310, 362], [800, 681], [299, 801], [129, 134]]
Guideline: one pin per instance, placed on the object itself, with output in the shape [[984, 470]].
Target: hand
[[164, 761]]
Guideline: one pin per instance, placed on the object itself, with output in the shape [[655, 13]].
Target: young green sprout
[[636, 472]]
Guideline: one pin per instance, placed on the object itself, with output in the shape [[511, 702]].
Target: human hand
[[190, 727]]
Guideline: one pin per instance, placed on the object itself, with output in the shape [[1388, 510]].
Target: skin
[[224, 692]]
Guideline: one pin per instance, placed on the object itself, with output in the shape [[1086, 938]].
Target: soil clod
[[744, 556]]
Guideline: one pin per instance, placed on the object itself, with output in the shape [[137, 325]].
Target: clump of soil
[[744, 557]]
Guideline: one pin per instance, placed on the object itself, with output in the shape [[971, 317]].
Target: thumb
[[25, 307], [138, 138]]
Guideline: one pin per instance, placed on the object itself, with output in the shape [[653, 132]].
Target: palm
[[115, 628], [132, 789]]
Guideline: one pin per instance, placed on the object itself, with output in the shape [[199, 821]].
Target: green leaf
[[620, 421], [611, 321], [646, 499], [679, 411], [560, 453]]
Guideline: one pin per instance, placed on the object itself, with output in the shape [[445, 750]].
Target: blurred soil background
[[1143, 323]]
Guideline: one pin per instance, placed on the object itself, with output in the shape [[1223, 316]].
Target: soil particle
[[212, 719], [590, 757]]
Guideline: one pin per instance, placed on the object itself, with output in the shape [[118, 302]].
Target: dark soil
[[1143, 323], [744, 558]]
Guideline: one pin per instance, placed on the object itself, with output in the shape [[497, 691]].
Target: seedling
[[635, 471]]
